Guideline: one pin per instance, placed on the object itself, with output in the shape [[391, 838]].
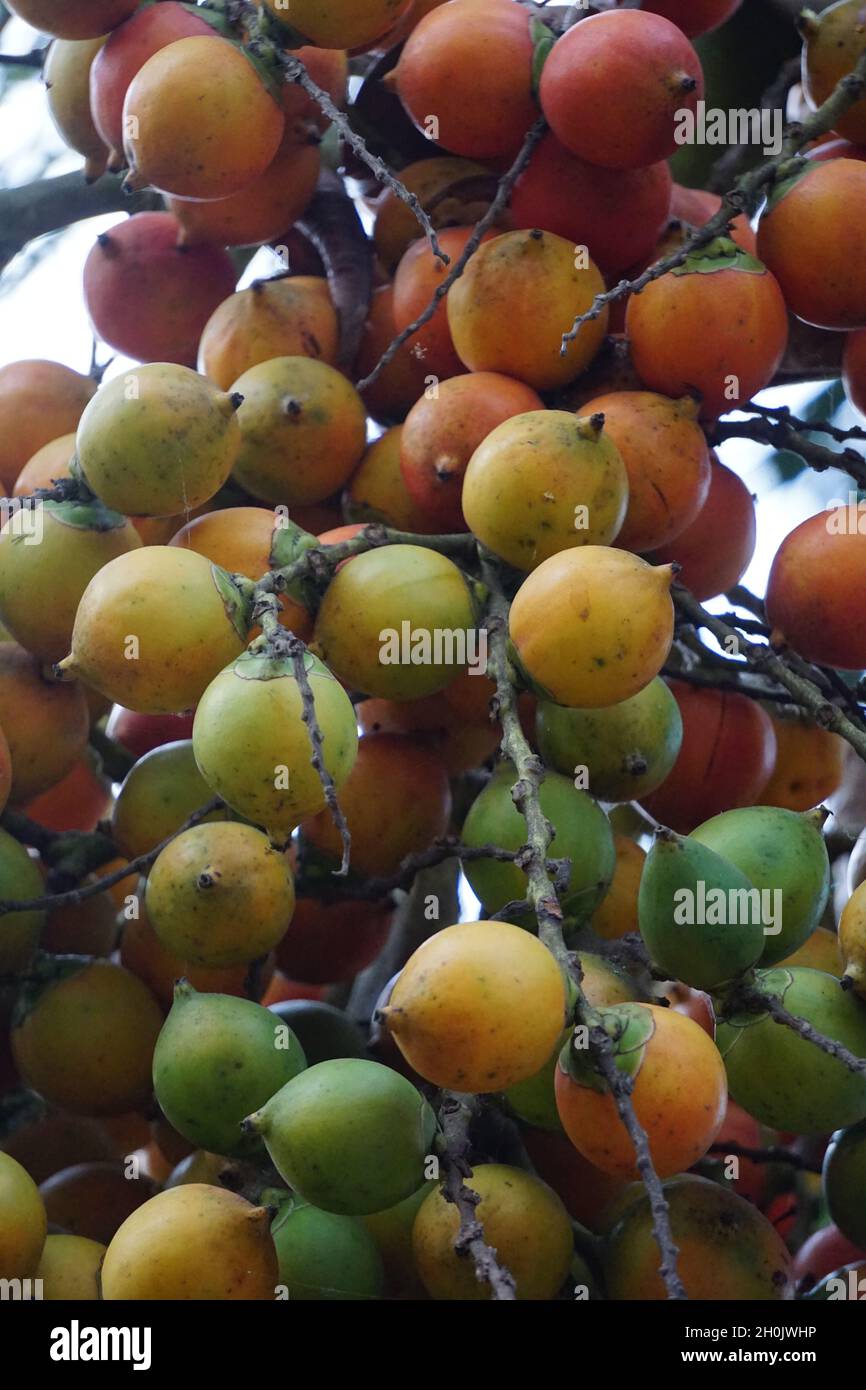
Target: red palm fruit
[[725, 759], [694, 17], [327, 942], [417, 277], [672, 350], [696, 206], [617, 214], [815, 590], [148, 298], [483, 105], [715, 549], [613, 86]]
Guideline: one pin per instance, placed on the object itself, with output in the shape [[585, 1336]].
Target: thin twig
[[773, 1153], [455, 1114], [503, 191]]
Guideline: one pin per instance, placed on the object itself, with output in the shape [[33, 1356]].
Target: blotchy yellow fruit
[[519, 293], [87, 1042], [544, 482], [158, 441], [478, 1006], [154, 627], [192, 1242], [69, 1268], [41, 584], [303, 430], [592, 626], [522, 1218], [220, 895], [23, 1222], [253, 748], [294, 317]]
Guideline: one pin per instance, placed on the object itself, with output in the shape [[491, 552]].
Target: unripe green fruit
[[683, 881], [628, 749], [582, 834], [776, 849], [782, 1079], [323, 1031], [216, 1058], [19, 931], [845, 1182], [348, 1135], [324, 1256], [253, 748]]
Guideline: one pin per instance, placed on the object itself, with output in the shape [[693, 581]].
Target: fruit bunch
[[382, 575]]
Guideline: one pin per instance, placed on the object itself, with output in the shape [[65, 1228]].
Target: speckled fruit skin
[[303, 430], [628, 749], [264, 209], [248, 726], [198, 122], [680, 1094], [783, 1080], [377, 592], [146, 297], [273, 318], [444, 428], [542, 482], [215, 1058], [611, 89], [443, 186], [220, 894], [67, 77], [45, 723], [416, 278], [181, 609], [776, 849], [84, 20], [807, 239], [525, 1222], [128, 49], [483, 109], [814, 593], [534, 282], [192, 1242], [41, 585], [667, 461], [478, 1006], [86, 1044], [23, 1223], [377, 492], [402, 380], [727, 1249], [349, 1136], [592, 626], [340, 23], [581, 833], [158, 440], [39, 402], [325, 1257]]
